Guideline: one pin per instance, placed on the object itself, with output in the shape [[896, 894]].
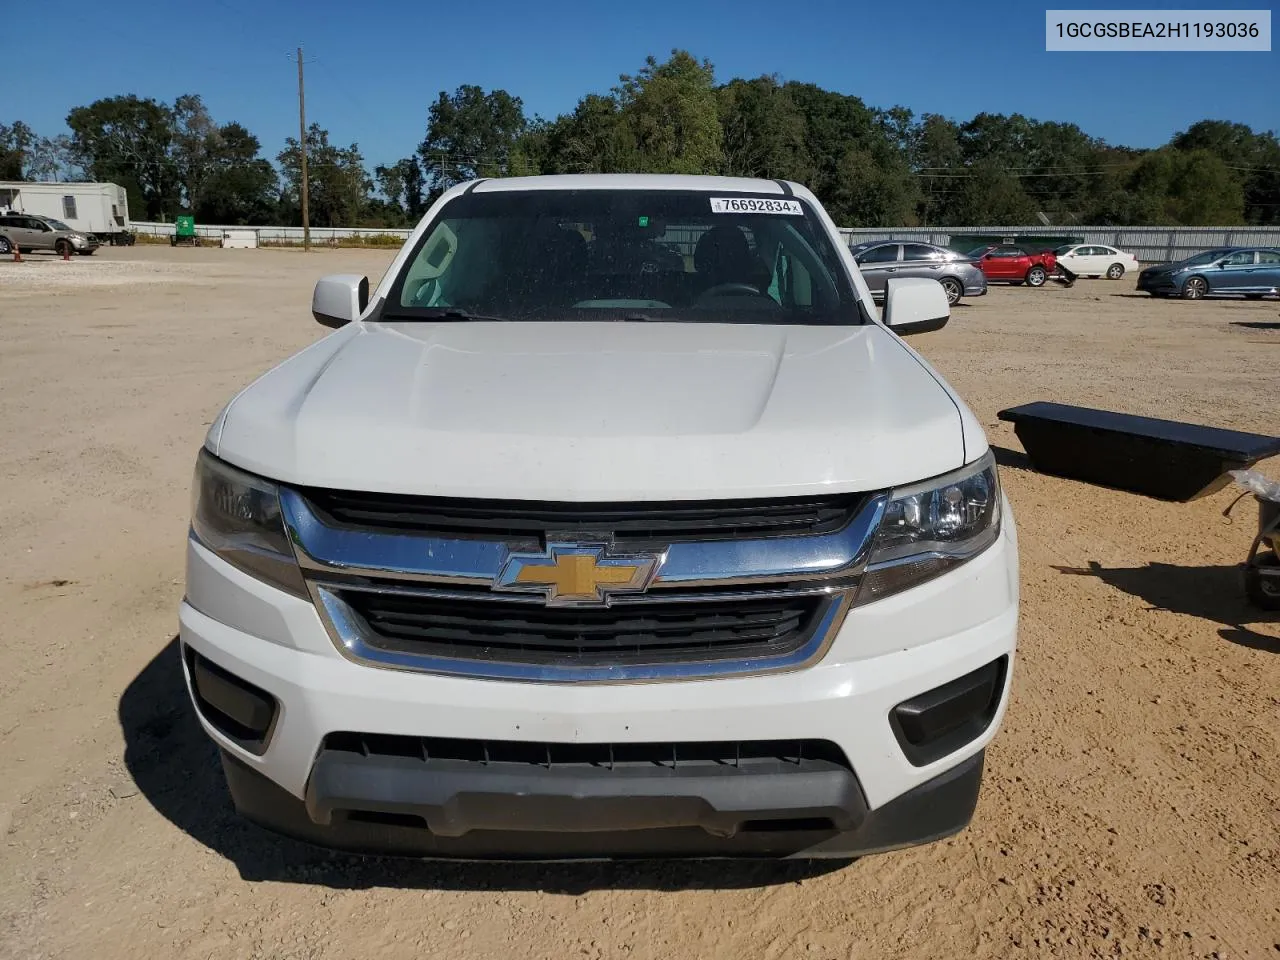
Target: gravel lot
[[1131, 804]]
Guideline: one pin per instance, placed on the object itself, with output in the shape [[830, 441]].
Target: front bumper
[[938, 808], [886, 653], [1160, 283]]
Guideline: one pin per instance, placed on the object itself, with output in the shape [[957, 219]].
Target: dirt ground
[[1130, 807]]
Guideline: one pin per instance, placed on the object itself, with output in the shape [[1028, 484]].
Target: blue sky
[[375, 67]]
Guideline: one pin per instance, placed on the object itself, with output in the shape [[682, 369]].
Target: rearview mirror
[[915, 305], [339, 299]]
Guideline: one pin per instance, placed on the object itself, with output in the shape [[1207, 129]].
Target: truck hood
[[596, 411]]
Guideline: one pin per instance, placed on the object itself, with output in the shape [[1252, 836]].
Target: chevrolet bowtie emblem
[[576, 573]]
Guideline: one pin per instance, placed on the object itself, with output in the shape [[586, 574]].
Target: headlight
[[237, 516], [931, 527]]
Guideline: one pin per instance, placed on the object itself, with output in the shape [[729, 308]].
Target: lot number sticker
[[755, 205]]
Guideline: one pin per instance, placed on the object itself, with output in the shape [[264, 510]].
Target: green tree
[[763, 131], [1252, 158], [338, 186], [669, 110], [470, 134], [402, 185], [990, 196], [834, 123], [16, 145], [243, 188], [1191, 187], [51, 158], [874, 188], [127, 140], [593, 139], [196, 149]]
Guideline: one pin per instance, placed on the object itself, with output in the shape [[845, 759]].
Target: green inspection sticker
[[644, 221]]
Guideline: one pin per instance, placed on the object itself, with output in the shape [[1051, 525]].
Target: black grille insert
[[632, 524], [605, 756], [628, 633]]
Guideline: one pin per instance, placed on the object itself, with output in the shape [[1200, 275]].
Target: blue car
[[1253, 272]]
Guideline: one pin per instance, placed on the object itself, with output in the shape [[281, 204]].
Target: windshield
[[1060, 251], [625, 255], [1200, 259], [56, 224]]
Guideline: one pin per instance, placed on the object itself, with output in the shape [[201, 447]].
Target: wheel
[[4, 245], [1263, 592], [1115, 271], [1195, 288], [953, 288], [1036, 276], [62, 248]]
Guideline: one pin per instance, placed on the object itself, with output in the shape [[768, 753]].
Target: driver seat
[[722, 255]]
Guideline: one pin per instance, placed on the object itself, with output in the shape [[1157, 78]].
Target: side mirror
[[915, 305], [339, 299]]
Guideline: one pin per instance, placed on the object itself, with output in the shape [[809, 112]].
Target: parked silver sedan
[[881, 260]]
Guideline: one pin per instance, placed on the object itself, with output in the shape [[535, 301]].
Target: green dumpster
[[184, 232]]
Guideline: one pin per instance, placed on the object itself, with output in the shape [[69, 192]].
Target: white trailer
[[101, 209]]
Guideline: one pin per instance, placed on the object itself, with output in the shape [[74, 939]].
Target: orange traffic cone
[[66, 252]]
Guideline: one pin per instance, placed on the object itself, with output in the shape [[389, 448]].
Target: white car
[[616, 521], [1096, 260]]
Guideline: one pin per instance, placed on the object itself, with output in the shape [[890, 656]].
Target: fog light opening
[[946, 718], [240, 711]]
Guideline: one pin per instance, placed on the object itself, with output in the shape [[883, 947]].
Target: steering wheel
[[731, 290]]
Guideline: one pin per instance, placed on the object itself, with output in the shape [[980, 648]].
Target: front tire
[[1036, 277], [1115, 271], [5, 246], [1196, 288], [953, 289]]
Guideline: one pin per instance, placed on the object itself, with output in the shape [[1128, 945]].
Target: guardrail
[[272, 236]]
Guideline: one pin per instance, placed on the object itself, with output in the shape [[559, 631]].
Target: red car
[[1014, 265]]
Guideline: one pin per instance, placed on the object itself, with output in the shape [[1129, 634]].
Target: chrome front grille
[[400, 587], [623, 524]]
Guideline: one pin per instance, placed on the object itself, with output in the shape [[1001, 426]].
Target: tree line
[[869, 166]]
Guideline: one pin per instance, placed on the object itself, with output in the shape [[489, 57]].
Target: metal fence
[[1148, 244], [269, 236]]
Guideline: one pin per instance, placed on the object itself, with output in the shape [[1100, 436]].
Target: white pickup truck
[[615, 522]]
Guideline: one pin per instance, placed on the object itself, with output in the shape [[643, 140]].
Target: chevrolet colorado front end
[[616, 522]]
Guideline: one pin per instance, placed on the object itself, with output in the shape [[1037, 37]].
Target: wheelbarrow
[[1262, 566]]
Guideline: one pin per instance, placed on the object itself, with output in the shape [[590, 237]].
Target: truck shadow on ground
[[176, 768], [1212, 593]]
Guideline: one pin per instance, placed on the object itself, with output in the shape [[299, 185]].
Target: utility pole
[[302, 147]]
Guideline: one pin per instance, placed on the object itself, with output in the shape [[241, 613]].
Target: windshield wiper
[[445, 313]]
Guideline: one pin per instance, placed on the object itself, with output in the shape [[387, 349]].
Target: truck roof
[[637, 181]]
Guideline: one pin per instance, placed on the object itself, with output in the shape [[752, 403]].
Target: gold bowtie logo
[[580, 574]]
